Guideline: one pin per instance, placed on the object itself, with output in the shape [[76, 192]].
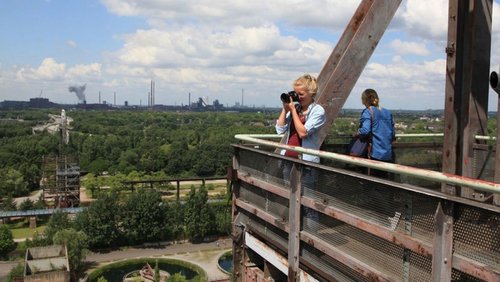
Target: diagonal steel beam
[[351, 54]]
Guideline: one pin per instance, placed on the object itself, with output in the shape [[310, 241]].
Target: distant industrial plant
[[199, 104]]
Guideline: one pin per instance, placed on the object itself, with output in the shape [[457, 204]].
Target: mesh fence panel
[[476, 231], [476, 235]]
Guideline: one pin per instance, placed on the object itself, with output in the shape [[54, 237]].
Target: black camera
[[285, 97]]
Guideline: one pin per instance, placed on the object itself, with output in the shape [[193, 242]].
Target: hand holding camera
[[285, 97]]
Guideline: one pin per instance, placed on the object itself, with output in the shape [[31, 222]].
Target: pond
[[226, 262], [116, 271]]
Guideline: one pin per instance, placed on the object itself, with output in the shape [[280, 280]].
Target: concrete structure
[[47, 264]]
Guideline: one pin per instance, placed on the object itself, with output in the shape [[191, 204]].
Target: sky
[[232, 51]]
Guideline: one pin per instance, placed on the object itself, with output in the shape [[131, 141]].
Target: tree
[[98, 166], [12, 183], [90, 182], [8, 204], [7, 243], [39, 205], [27, 204], [143, 217], [76, 243], [58, 221], [100, 221], [175, 219], [199, 216]]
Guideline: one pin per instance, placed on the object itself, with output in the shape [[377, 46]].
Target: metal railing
[[341, 224], [389, 167]]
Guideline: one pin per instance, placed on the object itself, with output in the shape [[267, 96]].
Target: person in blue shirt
[[377, 122]]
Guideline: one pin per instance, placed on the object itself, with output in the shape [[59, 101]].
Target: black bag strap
[[370, 137]]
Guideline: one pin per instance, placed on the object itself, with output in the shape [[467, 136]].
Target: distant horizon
[[186, 105], [236, 52]]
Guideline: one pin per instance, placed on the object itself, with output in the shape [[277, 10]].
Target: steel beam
[[273, 257], [351, 54], [496, 197], [443, 242], [294, 223], [466, 100]]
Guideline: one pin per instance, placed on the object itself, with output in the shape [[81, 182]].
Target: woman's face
[[305, 98]]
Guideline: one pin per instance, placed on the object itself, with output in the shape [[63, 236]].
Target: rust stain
[[310, 242]]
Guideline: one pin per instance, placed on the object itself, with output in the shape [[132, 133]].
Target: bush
[[16, 271], [7, 243]]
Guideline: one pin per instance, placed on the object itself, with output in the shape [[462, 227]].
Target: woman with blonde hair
[[302, 121]]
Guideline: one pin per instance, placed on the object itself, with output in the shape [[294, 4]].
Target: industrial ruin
[[423, 224], [60, 181]]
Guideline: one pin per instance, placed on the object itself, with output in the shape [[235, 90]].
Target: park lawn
[[26, 232]]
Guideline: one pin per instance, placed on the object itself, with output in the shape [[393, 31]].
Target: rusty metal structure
[[422, 224], [60, 181]]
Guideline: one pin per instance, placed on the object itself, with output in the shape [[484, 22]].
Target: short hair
[[308, 82], [370, 97]]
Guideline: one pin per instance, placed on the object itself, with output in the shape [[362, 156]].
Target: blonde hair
[[370, 98], [307, 82]]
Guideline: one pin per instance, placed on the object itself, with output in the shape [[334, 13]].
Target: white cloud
[[331, 14], [201, 47], [49, 69], [409, 48], [404, 85], [426, 18], [85, 70]]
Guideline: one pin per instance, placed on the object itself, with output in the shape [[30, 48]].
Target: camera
[[285, 97]]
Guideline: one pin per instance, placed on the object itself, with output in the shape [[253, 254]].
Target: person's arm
[[315, 120], [393, 129], [282, 121], [365, 122]]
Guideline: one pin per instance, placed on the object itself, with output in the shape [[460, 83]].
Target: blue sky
[[213, 50]]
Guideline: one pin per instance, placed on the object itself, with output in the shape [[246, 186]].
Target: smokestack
[[79, 91], [151, 96], [114, 98], [99, 97]]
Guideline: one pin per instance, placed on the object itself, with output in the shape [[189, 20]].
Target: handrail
[[398, 135], [448, 178]]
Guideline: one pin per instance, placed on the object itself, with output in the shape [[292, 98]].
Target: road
[[205, 255], [33, 198]]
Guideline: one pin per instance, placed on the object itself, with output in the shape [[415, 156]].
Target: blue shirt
[[382, 130], [315, 118]]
